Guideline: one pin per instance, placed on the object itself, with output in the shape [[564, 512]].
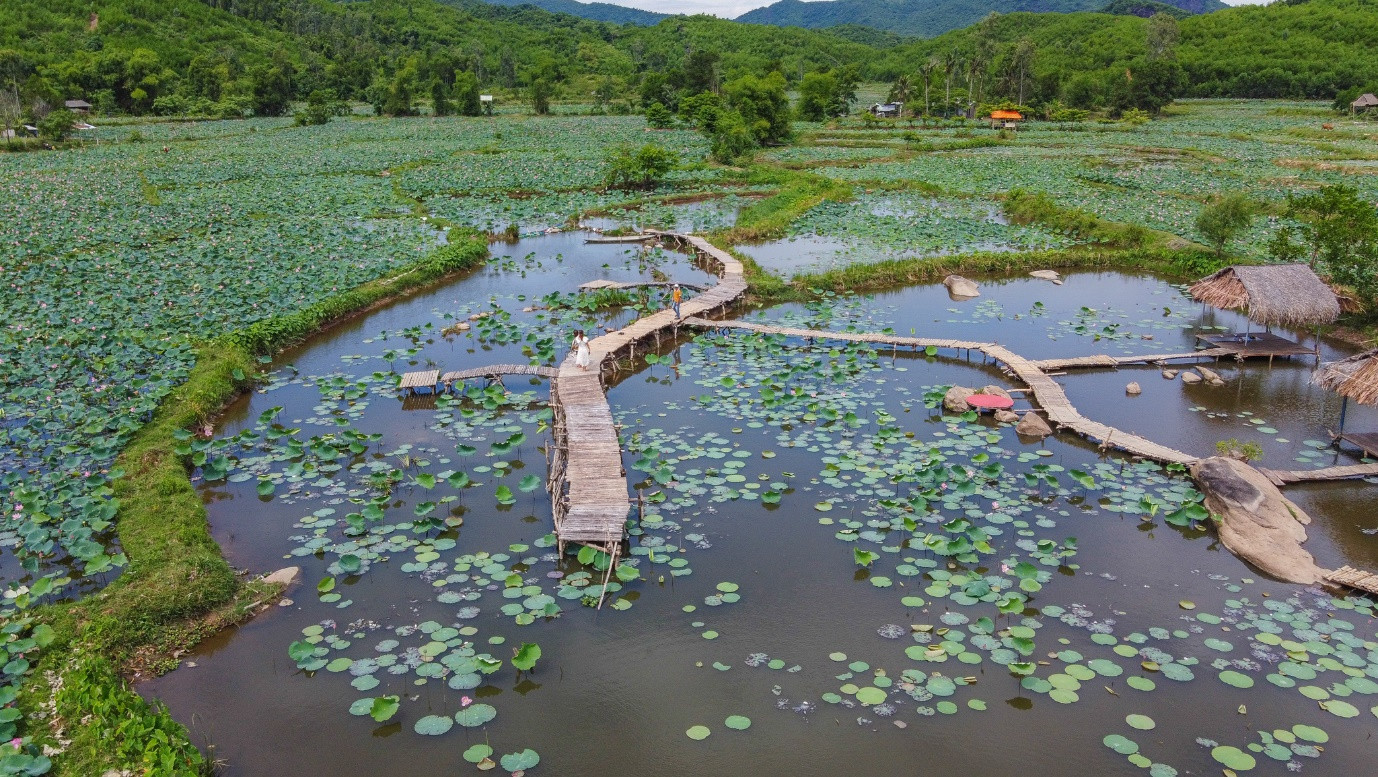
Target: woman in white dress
[[581, 349]]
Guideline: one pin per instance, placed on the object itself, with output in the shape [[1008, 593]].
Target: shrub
[[642, 167], [56, 126], [1244, 451], [1223, 218], [659, 117]]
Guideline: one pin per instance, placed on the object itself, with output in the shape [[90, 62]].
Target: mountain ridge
[[923, 18]]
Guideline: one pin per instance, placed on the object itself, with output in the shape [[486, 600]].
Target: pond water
[[821, 552]]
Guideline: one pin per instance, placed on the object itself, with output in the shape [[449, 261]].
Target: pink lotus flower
[[465, 701]]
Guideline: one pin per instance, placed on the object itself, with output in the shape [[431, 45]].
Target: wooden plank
[[1346, 472], [1354, 578], [423, 379], [595, 501]]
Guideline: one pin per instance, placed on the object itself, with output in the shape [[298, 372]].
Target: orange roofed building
[[1005, 119]]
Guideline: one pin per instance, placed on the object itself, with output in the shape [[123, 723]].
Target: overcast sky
[[729, 9]]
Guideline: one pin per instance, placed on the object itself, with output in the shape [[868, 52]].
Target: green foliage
[[56, 126], [926, 18], [466, 93], [118, 729], [1338, 235], [732, 140], [540, 92], [1223, 218], [643, 167], [1244, 451], [818, 97], [320, 106], [702, 111], [659, 117], [763, 106]]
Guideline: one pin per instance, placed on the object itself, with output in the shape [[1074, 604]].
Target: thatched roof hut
[[1354, 378], [1275, 294]]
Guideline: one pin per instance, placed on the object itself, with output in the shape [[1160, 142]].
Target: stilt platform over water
[[494, 373], [1104, 361], [1284, 477], [587, 484], [1364, 441], [606, 284], [412, 382], [1041, 387], [1256, 345]]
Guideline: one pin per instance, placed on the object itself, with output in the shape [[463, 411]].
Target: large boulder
[[1047, 275], [1211, 377], [961, 288], [1257, 523], [1031, 425], [955, 400], [995, 391], [1190, 377]]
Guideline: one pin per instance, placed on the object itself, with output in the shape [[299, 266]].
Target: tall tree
[[952, 61], [1163, 34], [466, 94]]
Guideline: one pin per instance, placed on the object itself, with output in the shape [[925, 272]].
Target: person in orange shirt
[[676, 296]]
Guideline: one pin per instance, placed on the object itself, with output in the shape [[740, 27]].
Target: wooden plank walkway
[[1041, 387], [1104, 361], [588, 484], [1364, 441], [606, 284], [497, 371], [1283, 477], [424, 379], [1354, 578], [621, 238], [1258, 344]]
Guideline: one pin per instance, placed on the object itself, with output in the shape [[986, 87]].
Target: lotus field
[[125, 259]]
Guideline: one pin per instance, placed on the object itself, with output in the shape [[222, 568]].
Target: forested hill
[[232, 57], [1300, 49], [599, 12], [124, 55], [923, 18]]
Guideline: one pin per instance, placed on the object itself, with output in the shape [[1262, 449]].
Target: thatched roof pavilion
[[1274, 294], [1354, 378]]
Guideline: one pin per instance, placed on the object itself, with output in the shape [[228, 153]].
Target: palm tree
[[951, 61], [900, 90], [927, 69]]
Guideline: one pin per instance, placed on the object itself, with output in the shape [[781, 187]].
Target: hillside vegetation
[[233, 58], [925, 18]]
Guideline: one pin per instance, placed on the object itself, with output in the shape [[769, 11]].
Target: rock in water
[[1031, 425], [1047, 275], [955, 400], [995, 391], [1133, 388], [1211, 376], [1169, 374], [1257, 523], [284, 577], [1190, 377], [961, 288], [1006, 416]]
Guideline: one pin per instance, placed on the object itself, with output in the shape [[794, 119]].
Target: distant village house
[[1005, 119], [887, 110], [1365, 103], [77, 106]]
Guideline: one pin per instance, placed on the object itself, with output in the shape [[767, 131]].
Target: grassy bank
[[176, 575]]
